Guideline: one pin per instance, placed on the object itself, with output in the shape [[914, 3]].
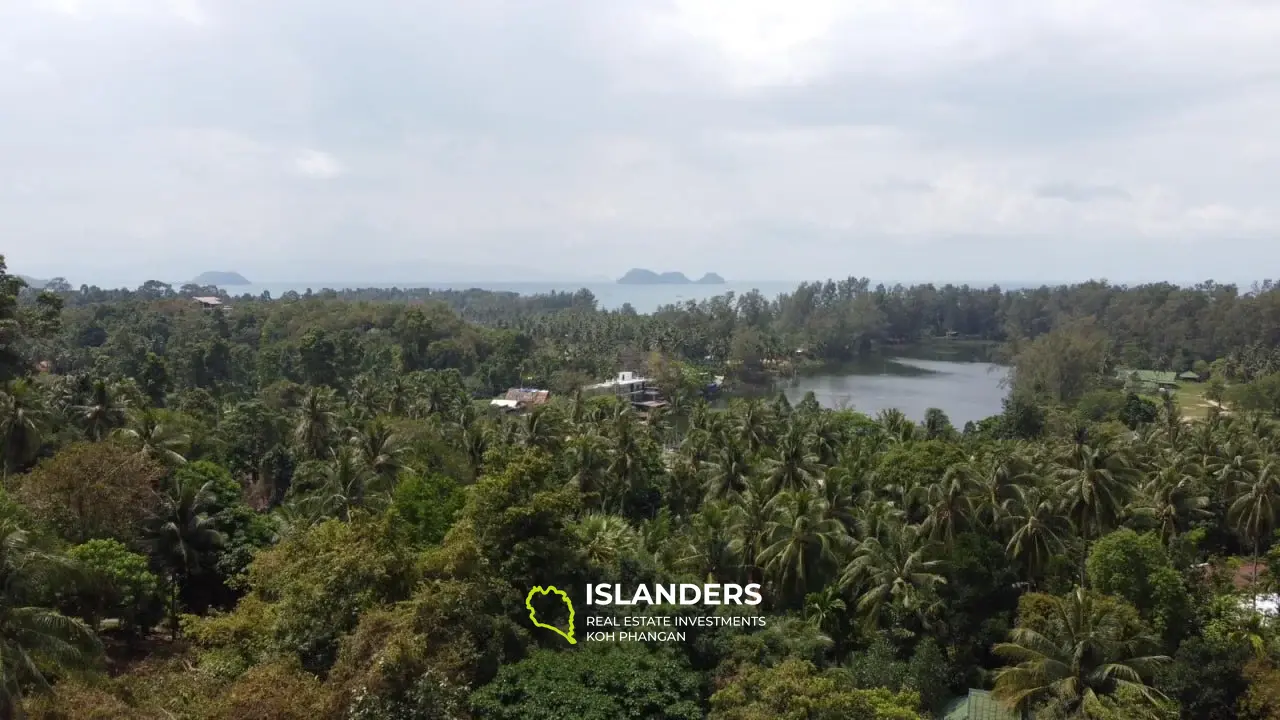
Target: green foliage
[[595, 681], [92, 490], [316, 583], [427, 504], [796, 690], [1137, 568], [116, 583]]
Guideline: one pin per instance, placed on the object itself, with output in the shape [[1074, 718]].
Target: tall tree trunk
[[1253, 584]]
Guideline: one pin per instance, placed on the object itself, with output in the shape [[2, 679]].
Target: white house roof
[[504, 403]]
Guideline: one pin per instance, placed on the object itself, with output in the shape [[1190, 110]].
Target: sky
[[405, 140]]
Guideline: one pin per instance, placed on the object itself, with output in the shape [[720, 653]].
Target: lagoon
[[965, 391]]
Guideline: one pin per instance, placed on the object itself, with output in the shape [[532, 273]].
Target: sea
[[609, 295]]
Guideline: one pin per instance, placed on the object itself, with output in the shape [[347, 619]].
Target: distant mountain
[[220, 278], [642, 276], [34, 283]]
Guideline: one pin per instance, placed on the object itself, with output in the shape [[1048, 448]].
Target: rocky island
[[220, 278], [642, 276]]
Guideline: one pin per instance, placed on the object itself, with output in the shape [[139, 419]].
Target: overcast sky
[[464, 139]]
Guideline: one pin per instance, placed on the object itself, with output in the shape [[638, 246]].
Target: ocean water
[[609, 295]]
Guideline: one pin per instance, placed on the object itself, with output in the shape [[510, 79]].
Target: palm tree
[[820, 608], [949, 504], [378, 449], [182, 534], [588, 456], [33, 640], [103, 412], [345, 485], [751, 425], [750, 525], [1255, 508], [730, 469], [1096, 485], [605, 538], [156, 439], [1085, 653], [896, 570], [794, 467], [1172, 496], [316, 424], [1038, 528], [23, 419]]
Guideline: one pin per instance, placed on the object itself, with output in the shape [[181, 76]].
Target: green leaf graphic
[[533, 614]]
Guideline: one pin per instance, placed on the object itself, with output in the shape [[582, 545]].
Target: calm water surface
[[964, 390]]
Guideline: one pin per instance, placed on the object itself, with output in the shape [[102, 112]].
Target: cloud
[[761, 139], [316, 164], [1081, 192]]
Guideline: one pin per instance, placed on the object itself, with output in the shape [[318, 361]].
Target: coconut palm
[[1256, 508], [803, 540], [751, 425], [182, 534], [1172, 497], [33, 640], [794, 466], [948, 504], [379, 448], [895, 570], [605, 538], [588, 457], [103, 412], [729, 469], [156, 438], [1096, 483], [750, 517], [1037, 528], [1086, 652], [23, 419], [316, 424]]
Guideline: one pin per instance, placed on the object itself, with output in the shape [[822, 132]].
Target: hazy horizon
[[573, 139]]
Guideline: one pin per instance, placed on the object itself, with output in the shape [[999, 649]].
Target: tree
[[1255, 508], [92, 490], [116, 583], [182, 535], [12, 362], [803, 541], [1062, 364], [1137, 568], [104, 411], [34, 641], [796, 690], [600, 681], [24, 418], [1082, 651]]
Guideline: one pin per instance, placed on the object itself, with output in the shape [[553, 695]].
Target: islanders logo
[[533, 614]]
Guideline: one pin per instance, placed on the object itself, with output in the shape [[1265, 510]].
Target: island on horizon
[[643, 276], [221, 278]]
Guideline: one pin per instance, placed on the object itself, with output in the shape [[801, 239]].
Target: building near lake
[[632, 387]]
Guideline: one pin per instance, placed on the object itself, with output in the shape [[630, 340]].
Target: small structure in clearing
[[520, 399], [208, 303]]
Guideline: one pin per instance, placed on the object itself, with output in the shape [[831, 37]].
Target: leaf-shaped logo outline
[[528, 603]]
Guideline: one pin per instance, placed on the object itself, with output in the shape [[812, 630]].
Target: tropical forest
[[307, 507]]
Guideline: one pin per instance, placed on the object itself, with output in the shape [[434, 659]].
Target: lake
[[609, 295], [963, 390]]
